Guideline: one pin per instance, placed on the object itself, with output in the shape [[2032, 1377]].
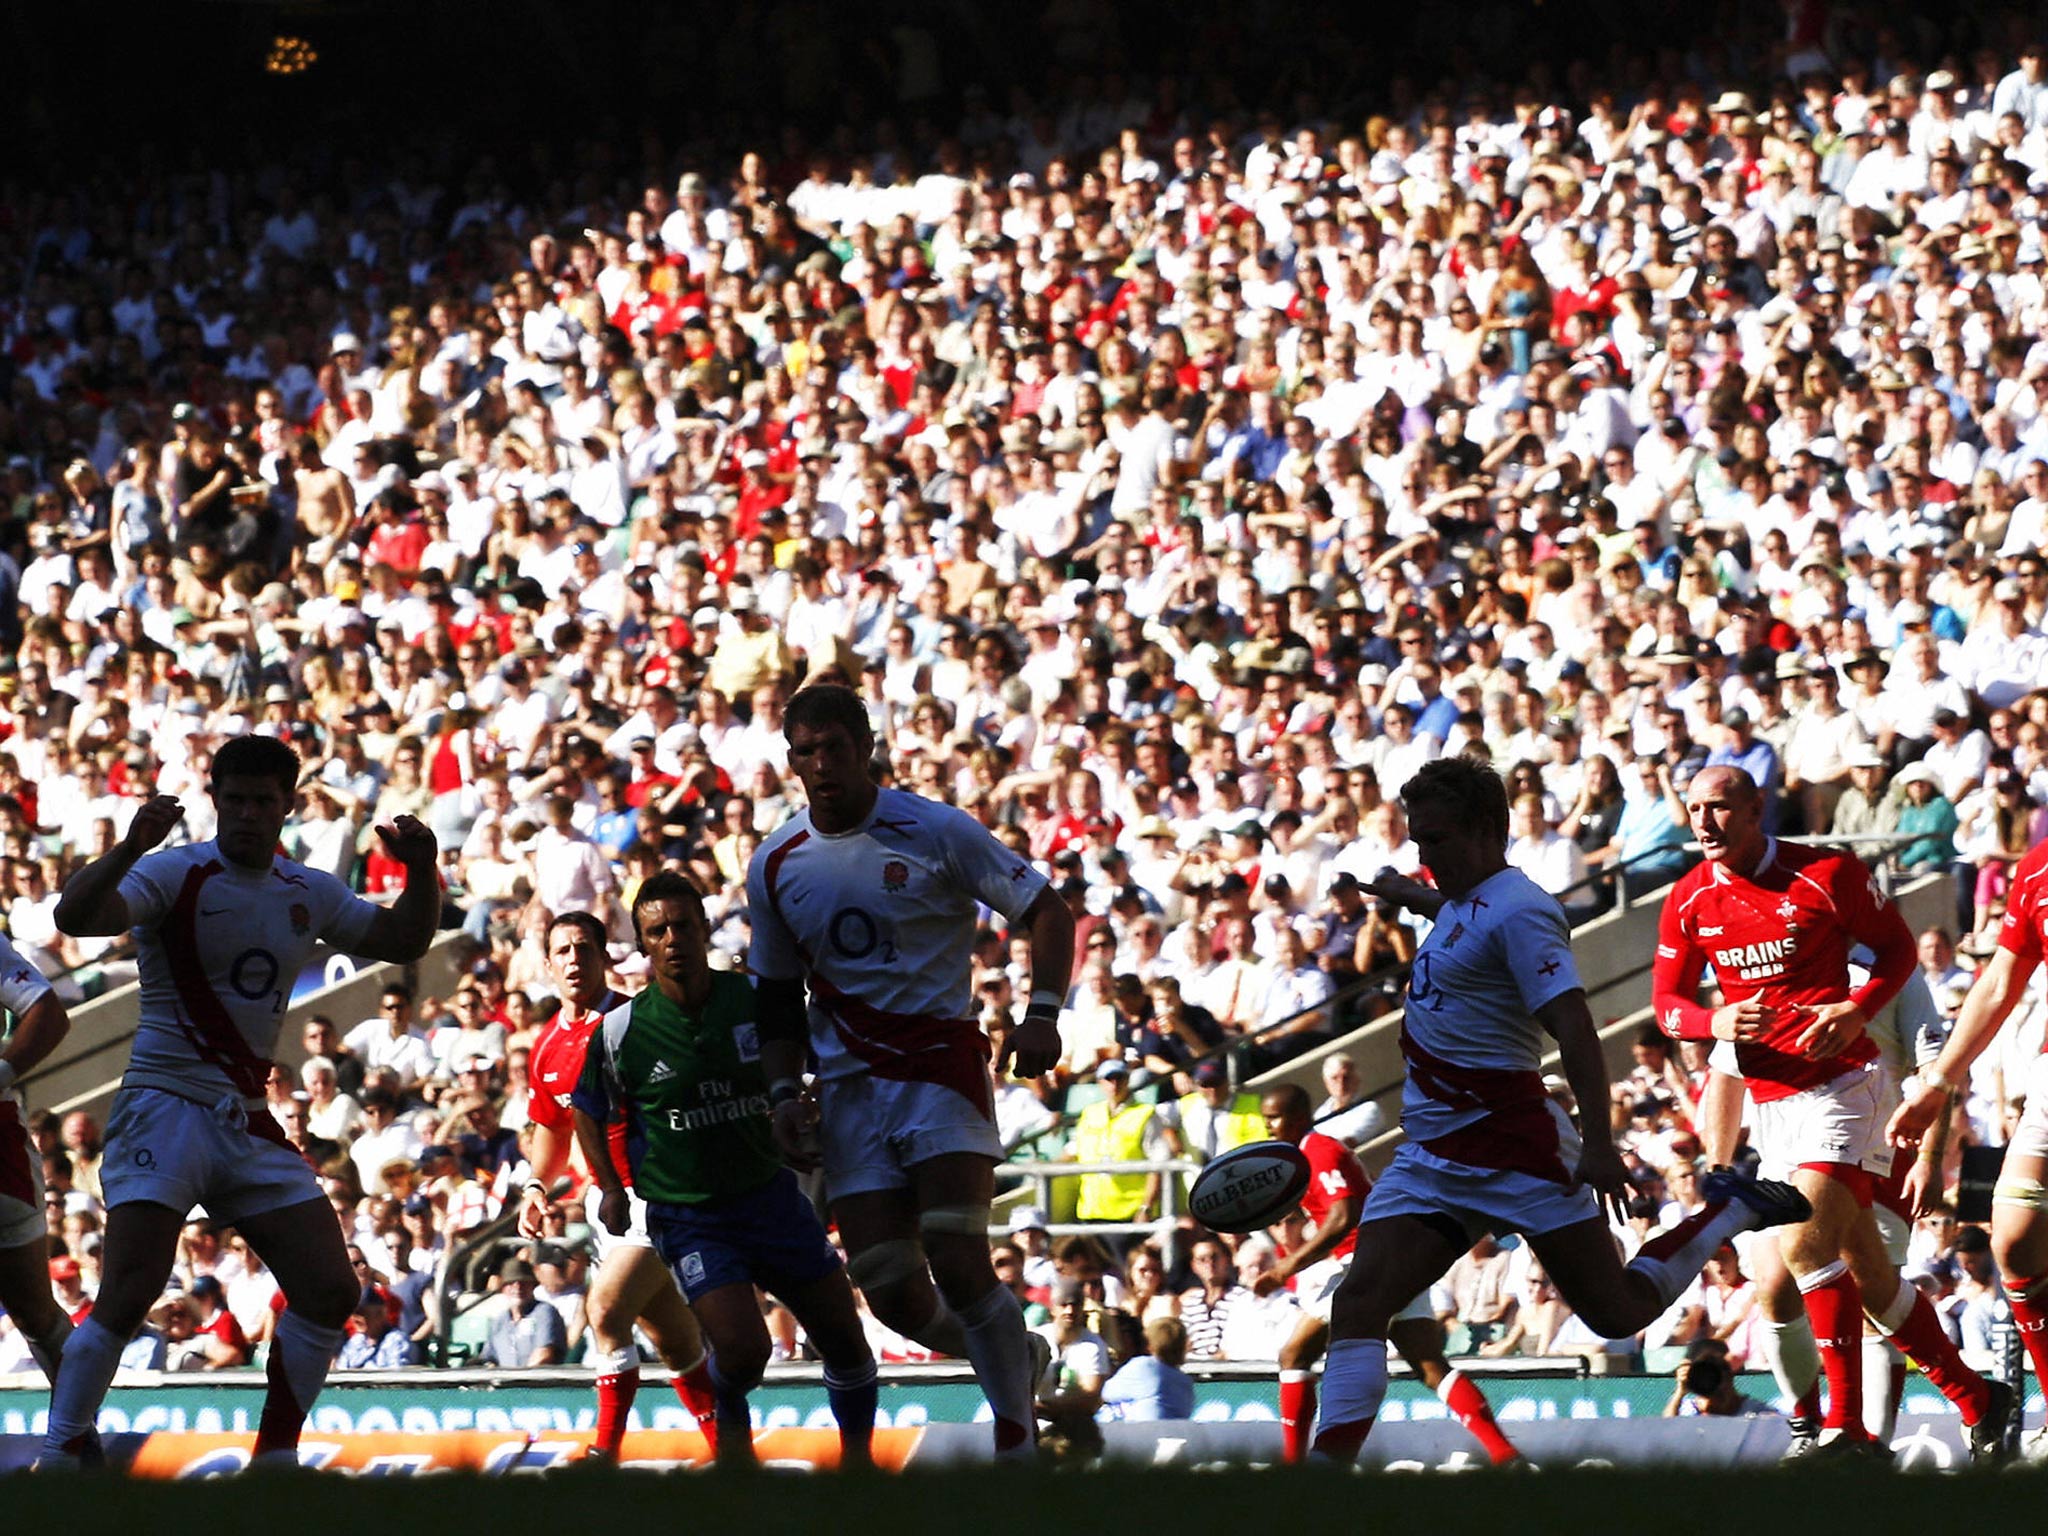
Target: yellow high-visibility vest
[[1110, 1133]]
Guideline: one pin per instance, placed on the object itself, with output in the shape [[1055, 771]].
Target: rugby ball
[[1249, 1187]]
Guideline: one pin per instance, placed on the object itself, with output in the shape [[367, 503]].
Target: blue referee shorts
[[768, 1237]]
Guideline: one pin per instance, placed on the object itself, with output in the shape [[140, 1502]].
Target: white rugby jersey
[[219, 947], [880, 921], [21, 987], [1470, 1036]]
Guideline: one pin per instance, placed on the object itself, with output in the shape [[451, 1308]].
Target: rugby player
[[869, 899], [2019, 1201], [39, 1027], [1777, 921], [223, 928], [1336, 1194], [1487, 1149], [681, 1065], [631, 1285]]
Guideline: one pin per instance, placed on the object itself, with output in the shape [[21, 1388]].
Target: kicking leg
[[302, 1246], [1421, 1343]]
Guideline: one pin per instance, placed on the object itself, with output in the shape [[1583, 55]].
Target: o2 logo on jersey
[[854, 936], [1421, 992], [253, 974]]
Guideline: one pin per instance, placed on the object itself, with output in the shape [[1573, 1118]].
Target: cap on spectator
[[1155, 826], [181, 413], [1863, 756], [1867, 657], [373, 1296], [1029, 1218], [1116, 1066], [431, 1154], [550, 1253], [1211, 1074], [2009, 591], [690, 185], [1790, 666], [345, 341], [1910, 613], [63, 1267], [1249, 828], [1947, 718], [741, 600], [1730, 103], [207, 1286], [1915, 773], [705, 618], [516, 1269], [418, 1205]]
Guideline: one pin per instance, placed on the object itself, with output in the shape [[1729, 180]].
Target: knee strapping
[[961, 1220], [2029, 1194], [886, 1264], [615, 1362]]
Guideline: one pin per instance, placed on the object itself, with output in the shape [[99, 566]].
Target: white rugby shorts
[[1841, 1121], [635, 1235], [1316, 1289], [873, 1130], [1499, 1200], [21, 1178], [176, 1152], [2030, 1136]]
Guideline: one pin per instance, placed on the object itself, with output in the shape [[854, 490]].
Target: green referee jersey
[[690, 1085]]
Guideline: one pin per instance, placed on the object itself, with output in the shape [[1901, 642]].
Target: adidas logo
[[662, 1072]]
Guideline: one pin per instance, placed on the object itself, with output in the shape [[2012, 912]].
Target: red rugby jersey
[[1782, 935]]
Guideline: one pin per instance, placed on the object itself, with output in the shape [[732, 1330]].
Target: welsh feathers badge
[[895, 875], [301, 918]]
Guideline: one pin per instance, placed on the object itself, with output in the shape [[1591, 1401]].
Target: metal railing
[[1040, 1175], [451, 1283]]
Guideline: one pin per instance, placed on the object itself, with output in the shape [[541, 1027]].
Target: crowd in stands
[[1171, 481]]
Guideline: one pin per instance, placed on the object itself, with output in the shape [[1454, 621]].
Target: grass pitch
[[999, 1501]]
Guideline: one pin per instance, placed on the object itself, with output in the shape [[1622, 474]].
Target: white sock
[[1881, 1357], [49, 1349], [1793, 1355], [91, 1356], [303, 1352], [619, 1361], [1354, 1382], [942, 1333], [1001, 1355], [1671, 1259]]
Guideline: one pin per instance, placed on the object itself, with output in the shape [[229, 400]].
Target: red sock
[[1922, 1337], [2029, 1300], [1297, 1413], [615, 1394], [1835, 1306], [1808, 1406], [694, 1388], [1341, 1442], [1469, 1406]]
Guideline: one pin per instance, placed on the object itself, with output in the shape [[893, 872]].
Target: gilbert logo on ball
[[1249, 1187], [895, 875]]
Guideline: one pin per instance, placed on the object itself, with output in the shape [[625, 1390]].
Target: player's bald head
[[1724, 781]]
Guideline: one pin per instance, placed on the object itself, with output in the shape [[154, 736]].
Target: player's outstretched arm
[[92, 905], [1990, 1001], [401, 932]]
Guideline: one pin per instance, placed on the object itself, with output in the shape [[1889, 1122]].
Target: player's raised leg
[[1396, 1257], [1616, 1300], [302, 1245], [141, 1241]]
